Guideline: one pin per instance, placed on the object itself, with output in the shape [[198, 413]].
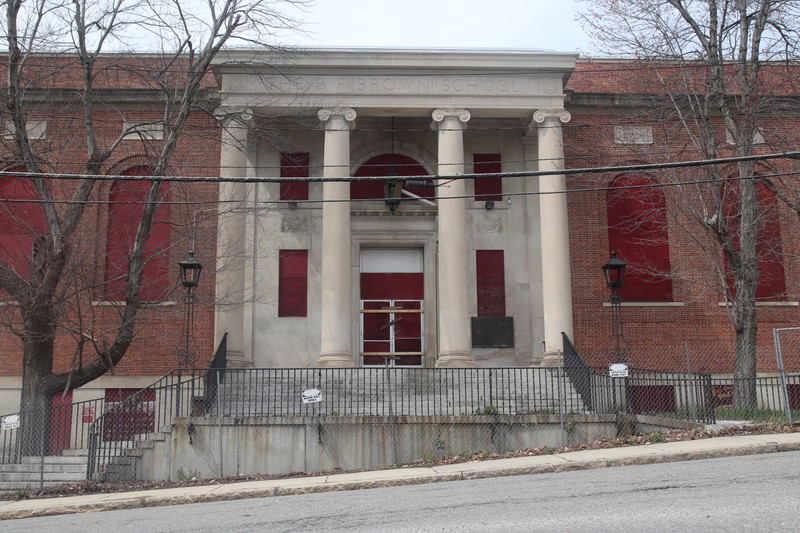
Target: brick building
[[485, 272], [94, 286]]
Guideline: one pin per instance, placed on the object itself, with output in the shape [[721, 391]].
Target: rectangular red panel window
[[488, 188], [293, 283], [294, 165], [491, 282]]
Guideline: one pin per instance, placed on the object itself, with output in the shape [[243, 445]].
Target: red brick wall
[[660, 337], [158, 333]]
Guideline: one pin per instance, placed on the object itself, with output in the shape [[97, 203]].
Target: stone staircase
[[48, 471], [70, 466], [359, 392]]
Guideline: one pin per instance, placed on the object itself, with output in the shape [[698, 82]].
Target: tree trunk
[[37, 390], [36, 402], [744, 375]]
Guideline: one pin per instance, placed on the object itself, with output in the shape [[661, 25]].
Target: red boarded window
[[293, 283], [387, 165], [637, 230], [771, 279], [294, 165], [21, 222], [491, 282], [488, 188], [126, 203]]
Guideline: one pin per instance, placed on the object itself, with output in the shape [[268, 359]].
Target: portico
[[442, 112]]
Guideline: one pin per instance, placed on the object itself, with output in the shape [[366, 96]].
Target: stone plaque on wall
[[492, 332]]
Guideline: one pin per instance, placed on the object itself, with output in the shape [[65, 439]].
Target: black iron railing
[[134, 419], [413, 392], [68, 429], [577, 371]]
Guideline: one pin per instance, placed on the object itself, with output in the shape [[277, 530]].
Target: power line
[[328, 179], [476, 197]]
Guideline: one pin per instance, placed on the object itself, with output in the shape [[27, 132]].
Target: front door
[[392, 307]]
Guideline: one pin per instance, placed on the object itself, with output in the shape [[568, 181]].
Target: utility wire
[[449, 177]]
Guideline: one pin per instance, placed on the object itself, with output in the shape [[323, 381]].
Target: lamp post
[[614, 271], [190, 277], [190, 269]]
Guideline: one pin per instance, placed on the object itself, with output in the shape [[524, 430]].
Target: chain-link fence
[[230, 421]]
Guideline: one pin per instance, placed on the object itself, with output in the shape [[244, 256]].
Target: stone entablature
[[403, 79]]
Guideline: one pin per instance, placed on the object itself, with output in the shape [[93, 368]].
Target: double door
[[392, 308]]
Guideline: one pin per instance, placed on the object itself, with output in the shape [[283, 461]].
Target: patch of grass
[[548, 450], [655, 437], [752, 415], [22, 494], [488, 410]]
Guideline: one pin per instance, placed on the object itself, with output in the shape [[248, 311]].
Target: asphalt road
[[751, 493]]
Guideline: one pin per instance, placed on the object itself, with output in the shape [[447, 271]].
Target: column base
[[552, 359], [236, 359], [335, 360], [455, 361]]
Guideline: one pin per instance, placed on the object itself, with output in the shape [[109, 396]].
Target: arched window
[[771, 279], [387, 165], [21, 222], [637, 230], [126, 203]]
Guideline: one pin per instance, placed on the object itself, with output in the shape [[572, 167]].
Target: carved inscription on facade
[[466, 85]]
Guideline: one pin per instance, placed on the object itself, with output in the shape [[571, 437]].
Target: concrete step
[[56, 459], [6, 486], [47, 468], [33, 477]]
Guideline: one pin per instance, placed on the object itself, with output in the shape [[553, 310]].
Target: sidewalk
[[633, 455]]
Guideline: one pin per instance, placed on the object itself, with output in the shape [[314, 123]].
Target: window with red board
[[637, 230], [294, 165], [771, 279], [21, 222], [126, 203], [388, 165], [490, 282], [488, 188], [293, 283]]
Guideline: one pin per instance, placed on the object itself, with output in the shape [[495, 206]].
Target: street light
[[190, 269], [190, 277], [614, 271]]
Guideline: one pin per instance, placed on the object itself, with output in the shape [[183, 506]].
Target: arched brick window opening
[[21, 222], [771, 278], [387, 165], [637, 230], [126, 203]]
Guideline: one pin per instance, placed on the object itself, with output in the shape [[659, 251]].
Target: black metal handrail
[[577, 371], [139, 415]]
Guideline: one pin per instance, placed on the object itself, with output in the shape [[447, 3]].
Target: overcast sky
[[514, 24]]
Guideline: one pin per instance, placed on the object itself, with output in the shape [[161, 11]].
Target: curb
[[217, 493]]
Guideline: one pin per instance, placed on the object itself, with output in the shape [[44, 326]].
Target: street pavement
[[559, 462]]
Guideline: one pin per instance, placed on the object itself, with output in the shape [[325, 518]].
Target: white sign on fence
[[11, 422], [312, 396], [618, 370]]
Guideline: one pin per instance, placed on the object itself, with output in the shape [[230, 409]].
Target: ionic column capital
[[231, 116], [541, 115], [440, 115], [330, 115]]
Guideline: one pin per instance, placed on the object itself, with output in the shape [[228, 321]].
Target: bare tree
[[714, 69], [57, 62]]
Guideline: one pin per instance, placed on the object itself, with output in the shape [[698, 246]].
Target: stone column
[[454, 348], [556, 278], [231, 231], [336, 313]]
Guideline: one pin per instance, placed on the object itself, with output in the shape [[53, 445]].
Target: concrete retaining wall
[[211, 447]]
